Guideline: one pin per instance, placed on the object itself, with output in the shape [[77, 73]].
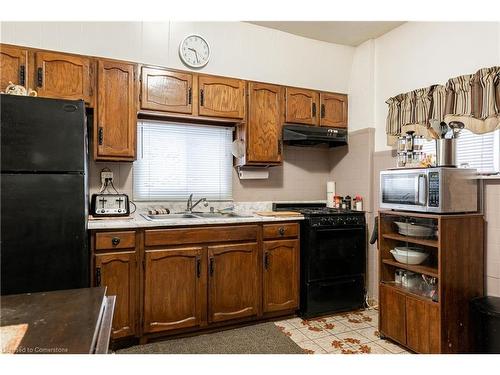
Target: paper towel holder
[[252, 173]]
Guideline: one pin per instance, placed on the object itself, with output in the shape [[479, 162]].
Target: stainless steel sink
[[169, 216], [194, 215]]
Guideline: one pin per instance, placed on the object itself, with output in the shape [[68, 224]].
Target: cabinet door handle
[[314, 110], [115, 241], [212, 266], [98, 276], [190, 95], [202, 97], [322, 111], [22, 75], [279, 146], [198, 267], [266, 260], [39, 77], [100, 136]]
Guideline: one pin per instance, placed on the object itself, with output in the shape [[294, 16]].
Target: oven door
[[404, 190], [334, 252]]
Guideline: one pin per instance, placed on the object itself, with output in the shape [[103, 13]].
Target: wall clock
[[194, 51]]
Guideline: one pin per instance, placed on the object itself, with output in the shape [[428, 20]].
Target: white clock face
[[194, 51]]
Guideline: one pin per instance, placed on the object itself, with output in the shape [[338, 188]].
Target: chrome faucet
[[190, 205]]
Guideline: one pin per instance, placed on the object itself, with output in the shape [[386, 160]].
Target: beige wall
[[239, 49], [303, 176]]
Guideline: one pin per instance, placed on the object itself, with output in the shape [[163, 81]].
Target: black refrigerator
[[43, 195]]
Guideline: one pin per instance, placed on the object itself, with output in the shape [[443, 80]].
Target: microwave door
[[403, 191]]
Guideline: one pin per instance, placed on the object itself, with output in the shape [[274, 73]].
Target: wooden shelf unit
[[426, 270], [456, 260], [412, 240]]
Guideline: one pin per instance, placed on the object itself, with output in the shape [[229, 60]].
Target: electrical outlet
[[106, 175]]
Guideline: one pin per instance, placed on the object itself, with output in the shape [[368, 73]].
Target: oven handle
[[344, 228], [422, 190]]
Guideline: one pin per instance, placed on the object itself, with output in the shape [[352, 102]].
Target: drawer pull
[[115, 241], [281, 231]]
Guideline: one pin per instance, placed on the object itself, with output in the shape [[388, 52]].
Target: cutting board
[[279, 213]]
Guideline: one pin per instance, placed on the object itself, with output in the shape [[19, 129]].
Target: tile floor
[[354, 332]]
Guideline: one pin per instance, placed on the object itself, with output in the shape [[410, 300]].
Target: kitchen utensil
[[446, 152], [411, 257], [413, 230], [435, 128], [456, 126], [443, 129]]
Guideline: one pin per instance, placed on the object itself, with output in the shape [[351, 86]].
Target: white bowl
[[413, 230], [411, 257]]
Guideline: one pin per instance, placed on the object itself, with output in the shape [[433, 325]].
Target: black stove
[[332, 256]]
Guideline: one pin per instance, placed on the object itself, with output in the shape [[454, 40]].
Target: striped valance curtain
[[473, 99]]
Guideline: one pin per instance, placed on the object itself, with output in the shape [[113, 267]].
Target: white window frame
[[222, 179]]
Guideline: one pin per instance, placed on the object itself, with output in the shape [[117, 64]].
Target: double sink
[[193, 215]]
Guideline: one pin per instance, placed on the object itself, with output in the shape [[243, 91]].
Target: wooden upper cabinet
[[117, 272], [221, 97], [115, 136], [333, 110], [392, 314], [13, 66], [281, 275], [264, 123], [62, 76], [233, 281], [301, 106], [165, 90], [175, 288]]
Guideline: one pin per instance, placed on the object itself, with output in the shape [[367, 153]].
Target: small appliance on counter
[[434, 190], [109, 204]]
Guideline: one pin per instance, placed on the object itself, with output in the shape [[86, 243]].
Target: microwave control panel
[[434, 189]]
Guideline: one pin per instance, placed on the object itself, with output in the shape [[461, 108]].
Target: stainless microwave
[[438, 190]]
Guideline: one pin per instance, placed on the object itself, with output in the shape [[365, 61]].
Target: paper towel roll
[[330, 193], [253, 173]]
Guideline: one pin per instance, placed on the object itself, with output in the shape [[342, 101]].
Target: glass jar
[[401, 159]]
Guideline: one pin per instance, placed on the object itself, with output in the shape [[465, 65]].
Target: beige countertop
[[138, 221]]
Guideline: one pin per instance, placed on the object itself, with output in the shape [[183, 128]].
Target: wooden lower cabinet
[[175, 288], [281, 275], [422, 327], [118, 273], [233, 281], [410, 321], [194, 278], [392, 314]]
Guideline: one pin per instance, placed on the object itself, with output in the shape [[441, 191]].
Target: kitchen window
[[176, 160], [480, 151]]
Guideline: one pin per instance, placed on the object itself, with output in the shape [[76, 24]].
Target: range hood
[[306, 135]]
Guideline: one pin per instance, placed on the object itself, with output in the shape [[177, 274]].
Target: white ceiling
[[351, 33]]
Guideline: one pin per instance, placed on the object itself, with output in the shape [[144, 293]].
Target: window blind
[[480, 151], [176, 160]]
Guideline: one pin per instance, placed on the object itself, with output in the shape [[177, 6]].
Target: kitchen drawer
[[281, 230], [114, 240], [161, 237]]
